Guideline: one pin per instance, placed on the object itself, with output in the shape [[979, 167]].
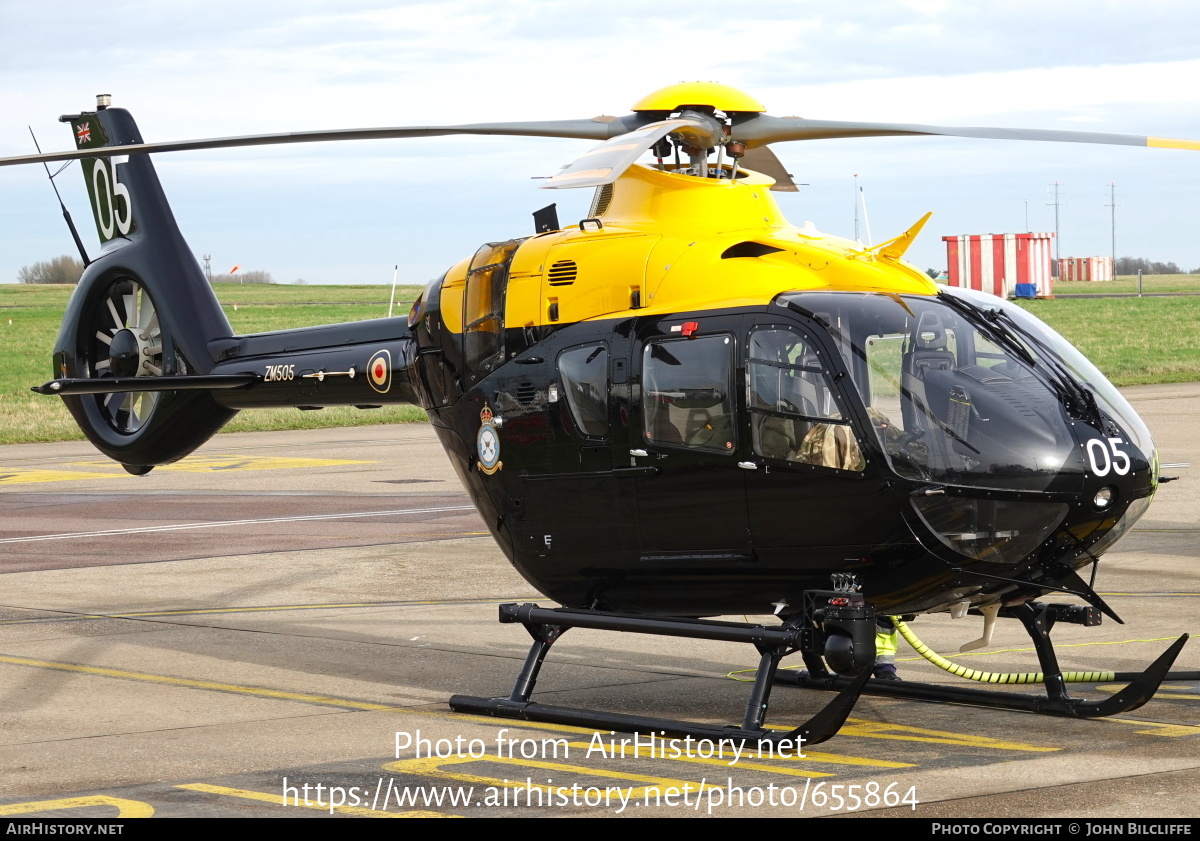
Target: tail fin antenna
[[66, 213]]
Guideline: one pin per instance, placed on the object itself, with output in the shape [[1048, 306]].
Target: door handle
[[747, 465]]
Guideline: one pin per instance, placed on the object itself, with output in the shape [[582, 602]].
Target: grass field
[[1133, 340], [1124, 283]]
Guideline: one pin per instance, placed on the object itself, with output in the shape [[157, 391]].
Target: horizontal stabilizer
[[124, 385]]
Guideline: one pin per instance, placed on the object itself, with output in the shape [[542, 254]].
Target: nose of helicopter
[[1119, 485], [1018, 528]]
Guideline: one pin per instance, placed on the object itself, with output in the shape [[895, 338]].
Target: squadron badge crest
[[487, 444]]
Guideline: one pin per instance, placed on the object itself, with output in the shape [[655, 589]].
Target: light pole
[[1112, 203], [1057, 239], [856, 238]]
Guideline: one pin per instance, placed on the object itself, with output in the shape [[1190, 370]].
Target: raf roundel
[[379, 371]]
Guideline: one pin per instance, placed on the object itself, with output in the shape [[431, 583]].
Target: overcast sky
[[346, 213]]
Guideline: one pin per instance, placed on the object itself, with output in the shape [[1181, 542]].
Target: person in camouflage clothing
[[834, 444], [831, 445]]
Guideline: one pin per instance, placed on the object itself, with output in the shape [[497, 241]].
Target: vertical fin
[[894, 248], [140, 238], [112, 205]]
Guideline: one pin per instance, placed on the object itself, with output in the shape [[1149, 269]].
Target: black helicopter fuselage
[[609, 484], [599, 503]]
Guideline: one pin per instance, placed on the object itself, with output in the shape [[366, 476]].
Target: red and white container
[[996, 263], [1085, 268]]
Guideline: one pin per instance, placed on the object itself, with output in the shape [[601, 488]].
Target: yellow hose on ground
[[991, 677]]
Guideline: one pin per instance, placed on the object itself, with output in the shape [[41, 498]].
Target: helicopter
[[681, 406]]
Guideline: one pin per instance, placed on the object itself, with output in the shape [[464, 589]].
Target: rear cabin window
[[687, 392], [584, 373]]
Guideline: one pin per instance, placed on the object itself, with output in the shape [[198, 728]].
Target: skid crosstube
[[546, 625]]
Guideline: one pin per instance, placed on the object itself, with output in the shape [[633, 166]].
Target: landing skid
[[546, 625], [1038, 619]]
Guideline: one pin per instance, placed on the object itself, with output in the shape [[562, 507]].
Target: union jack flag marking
[[84, 133]]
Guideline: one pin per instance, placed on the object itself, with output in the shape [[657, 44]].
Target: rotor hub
[[124, 353], [712, 94]]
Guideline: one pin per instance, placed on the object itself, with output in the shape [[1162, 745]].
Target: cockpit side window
[[794, 413], [687, 393], [948, 399], [483, 309]]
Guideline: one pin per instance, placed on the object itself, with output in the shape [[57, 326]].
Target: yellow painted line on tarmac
[[217, 464], [808, 756], [125, 808], [435, 767], [276, 694], [842, 759], [1163, 693], [277, 800], [727, 764], [904, 733], [1160, 728], [207, 464], [517, 724], [24, 476]]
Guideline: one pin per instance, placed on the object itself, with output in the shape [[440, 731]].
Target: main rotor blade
[[756, 131], [762, 129], [594, 129], [605, 163]]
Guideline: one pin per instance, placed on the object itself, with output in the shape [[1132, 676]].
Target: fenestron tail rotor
[[696, 118], [128, 342]]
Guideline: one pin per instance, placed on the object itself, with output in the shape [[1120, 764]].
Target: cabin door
[[813, 501], [691, 499]]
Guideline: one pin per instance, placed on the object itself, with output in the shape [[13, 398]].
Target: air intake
[[526, 392], [749, 249], [563, 273], [601, 201]]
